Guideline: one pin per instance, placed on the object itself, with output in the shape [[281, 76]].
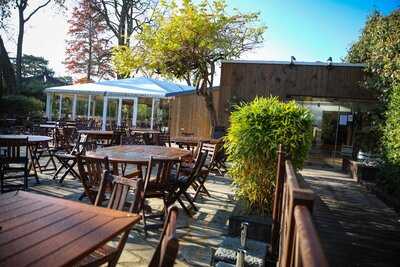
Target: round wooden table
[[33, 142], [32, 139], [138, 154]]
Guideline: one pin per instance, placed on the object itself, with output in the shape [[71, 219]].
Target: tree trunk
[[208, 97], [7, 74], [18, 61]]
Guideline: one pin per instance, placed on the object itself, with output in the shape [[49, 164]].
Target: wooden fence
[[294, 241]]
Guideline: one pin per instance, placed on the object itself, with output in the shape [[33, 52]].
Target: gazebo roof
[[132, 87]]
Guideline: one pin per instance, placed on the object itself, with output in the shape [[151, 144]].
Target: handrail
[[299, 244], [309, 245]]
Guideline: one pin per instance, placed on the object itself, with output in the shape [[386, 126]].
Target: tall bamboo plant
[[256, 130]]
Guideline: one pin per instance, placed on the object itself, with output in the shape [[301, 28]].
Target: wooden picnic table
[[38, 230], [137, 154], [33, 143]]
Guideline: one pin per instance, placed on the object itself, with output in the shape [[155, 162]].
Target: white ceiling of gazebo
[[132, 87]]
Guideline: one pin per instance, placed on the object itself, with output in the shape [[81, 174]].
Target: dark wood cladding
[[245, 81]]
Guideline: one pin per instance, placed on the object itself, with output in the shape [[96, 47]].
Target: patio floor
[[355, 227], [197, 235]]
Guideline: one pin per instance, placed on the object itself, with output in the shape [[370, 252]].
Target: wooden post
[[277, 208]]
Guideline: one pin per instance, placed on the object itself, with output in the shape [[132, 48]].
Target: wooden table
[[137, 154], [144, 131], [98, 136], [38, 230], [33, 142], [48, 126]]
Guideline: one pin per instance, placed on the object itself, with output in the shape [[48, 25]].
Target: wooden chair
[[120, 190], [159, 173], [90, 174], [164, 139], [184, 182], [14, 158], [69, 160], [168, 246]]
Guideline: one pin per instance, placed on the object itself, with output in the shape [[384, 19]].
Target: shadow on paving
[[355, 227]]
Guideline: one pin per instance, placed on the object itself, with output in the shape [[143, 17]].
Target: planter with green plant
[[256, 130]]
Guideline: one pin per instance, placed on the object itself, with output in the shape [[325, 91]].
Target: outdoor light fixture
[[292, 60]]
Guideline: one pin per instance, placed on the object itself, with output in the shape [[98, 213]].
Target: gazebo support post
[[119, 112], [74, 107], [88, 107], [135, 111], [48, 106], [105, 103], [60, 107], [153, 101]]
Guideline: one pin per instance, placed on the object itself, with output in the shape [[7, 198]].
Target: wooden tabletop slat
[[25, 230], [49, 231], [35, 238], [8, 201], [29, 217], [22, 210], [74, 249], [57, 243]]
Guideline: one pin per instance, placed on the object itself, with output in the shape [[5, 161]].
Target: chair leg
[[184, 207], [69, 170], [189, 199], [59, 170]]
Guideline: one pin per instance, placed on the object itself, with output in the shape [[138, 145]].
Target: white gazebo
[[118, 99]]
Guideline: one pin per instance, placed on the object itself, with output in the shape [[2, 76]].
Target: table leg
[[32, 163]]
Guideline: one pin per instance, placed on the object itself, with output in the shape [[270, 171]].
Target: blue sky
[[309, 30]]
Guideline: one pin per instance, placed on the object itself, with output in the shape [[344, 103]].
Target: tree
[[26, 10], [186, 42], [378, 47], [7, 74], [125, 17], [34, 66], [88, 49]]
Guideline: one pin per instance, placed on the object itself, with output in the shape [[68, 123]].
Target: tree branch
[[36, 10]]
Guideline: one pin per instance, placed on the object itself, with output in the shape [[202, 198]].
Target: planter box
[[259, 225]]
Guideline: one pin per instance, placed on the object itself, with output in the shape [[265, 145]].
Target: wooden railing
[[294, 240]]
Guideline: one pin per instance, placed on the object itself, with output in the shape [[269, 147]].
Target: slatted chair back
[[167, 248], [90, 171], [80, 145], [211, 149], [131, 140], [64, 137], [159, 173], [164, 139], [13, 150], [121, 187]]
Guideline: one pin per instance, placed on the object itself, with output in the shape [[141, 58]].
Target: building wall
[[245, 81], [188, 113]]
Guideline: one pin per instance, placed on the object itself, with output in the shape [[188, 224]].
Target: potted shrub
[[256, 129]]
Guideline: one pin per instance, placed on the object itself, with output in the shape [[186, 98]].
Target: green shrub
[[391, 136], [256, 130], [13, 106]]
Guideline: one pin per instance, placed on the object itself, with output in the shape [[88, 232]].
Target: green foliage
[[391, 137], [185, 41], [379, 48], [256, 131], [13, 106]]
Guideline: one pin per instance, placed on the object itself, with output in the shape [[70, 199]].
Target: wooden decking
[[355, 227]]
